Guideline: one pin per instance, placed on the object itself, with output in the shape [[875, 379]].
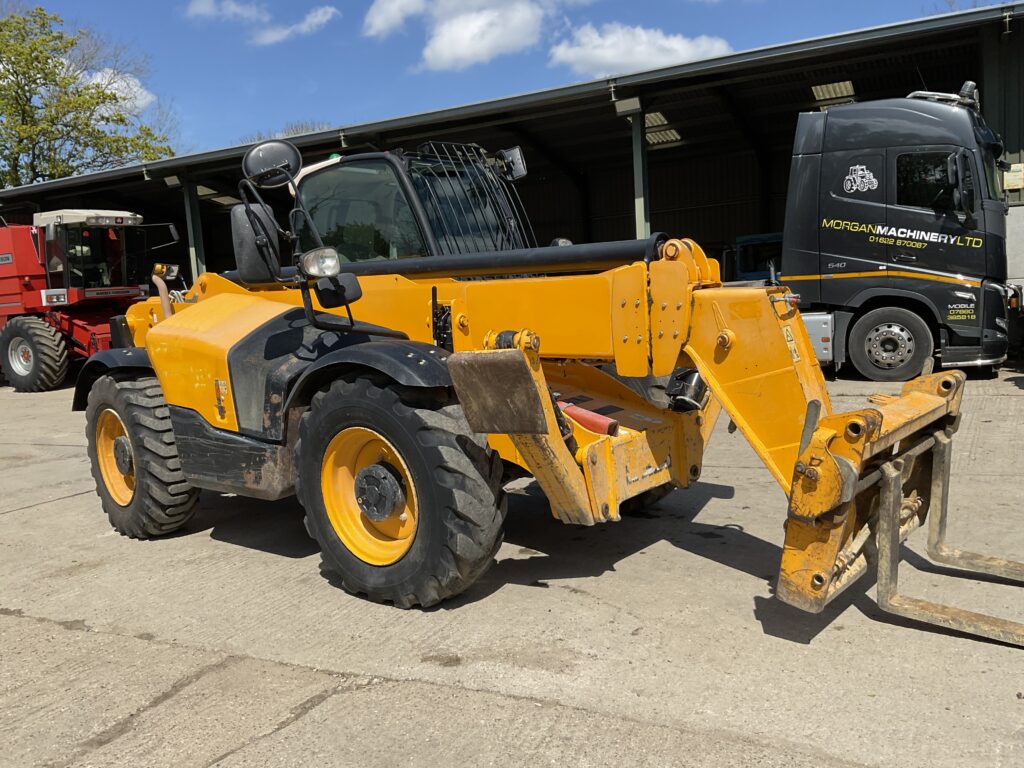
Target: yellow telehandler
[[478, 356]]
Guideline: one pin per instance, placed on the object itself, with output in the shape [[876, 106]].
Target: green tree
[[70, 103]]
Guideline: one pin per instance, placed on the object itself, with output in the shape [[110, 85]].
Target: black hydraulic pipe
[[565, 258]]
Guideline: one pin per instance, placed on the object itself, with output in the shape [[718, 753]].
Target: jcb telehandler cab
[[421, 350]]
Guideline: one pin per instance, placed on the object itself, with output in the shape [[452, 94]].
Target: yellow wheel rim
[[375, 542], [114, 451]]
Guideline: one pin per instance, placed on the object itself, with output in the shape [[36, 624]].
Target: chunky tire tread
[[466, 473], [49, 348], [163, 501]]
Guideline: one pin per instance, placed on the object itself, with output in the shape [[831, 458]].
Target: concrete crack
[[126, 724]]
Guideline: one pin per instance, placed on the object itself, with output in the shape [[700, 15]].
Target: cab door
[[935, 249], [852, 206]]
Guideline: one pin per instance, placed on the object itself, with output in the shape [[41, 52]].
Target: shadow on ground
[[550, 551]]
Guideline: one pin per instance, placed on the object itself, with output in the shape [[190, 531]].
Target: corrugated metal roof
[[600, 88]]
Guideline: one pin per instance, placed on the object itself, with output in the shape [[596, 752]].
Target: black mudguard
[[124, 359], [409, 363], [284, 361]]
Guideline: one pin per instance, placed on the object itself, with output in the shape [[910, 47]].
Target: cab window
[[361, 210], [922, 181]]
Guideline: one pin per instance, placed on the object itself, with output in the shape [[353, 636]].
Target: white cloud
[[227, 9], [311, 22], [460, 33], [617, 48], [132, 95], [260, 20], [476, 37], [385, 16]]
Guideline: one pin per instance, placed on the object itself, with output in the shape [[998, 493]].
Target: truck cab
[[895, 234]]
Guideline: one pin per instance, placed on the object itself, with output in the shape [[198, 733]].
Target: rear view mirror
[[174, 233], [339, 291], [272, 164], [953, 170]]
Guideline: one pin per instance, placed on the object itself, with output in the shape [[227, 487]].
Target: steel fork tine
[[888, 538], [938, 550]]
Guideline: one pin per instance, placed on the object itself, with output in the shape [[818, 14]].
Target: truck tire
[[33, 354], [404, 500], [134, 458], [890, 344]]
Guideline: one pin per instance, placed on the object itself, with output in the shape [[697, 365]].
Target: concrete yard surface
[[650, 642]]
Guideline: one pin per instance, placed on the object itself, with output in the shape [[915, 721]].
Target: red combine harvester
[[61, 281]]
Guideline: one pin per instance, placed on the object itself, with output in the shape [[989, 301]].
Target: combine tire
[[134, 458], [404, 500], [890, 344], [33, 355]]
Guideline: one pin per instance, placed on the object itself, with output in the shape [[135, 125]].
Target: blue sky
[[229, 68]]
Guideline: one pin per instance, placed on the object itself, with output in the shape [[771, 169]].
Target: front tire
[[404, 500], [135, 459], [890, 344], [33, 355]]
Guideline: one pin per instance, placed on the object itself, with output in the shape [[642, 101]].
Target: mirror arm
[[329, 323]]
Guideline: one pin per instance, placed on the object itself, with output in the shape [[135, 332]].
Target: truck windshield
[[101, 257], [993, 176]]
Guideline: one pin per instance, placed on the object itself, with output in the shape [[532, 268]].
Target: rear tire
[[135, 459], [890, 344], [33, 355], [431, 540]]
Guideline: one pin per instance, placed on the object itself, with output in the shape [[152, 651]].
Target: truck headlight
[[321, 262]]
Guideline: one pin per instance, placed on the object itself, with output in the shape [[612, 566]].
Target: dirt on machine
[[419, 350], [61, 280]]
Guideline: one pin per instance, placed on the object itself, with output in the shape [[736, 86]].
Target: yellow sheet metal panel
[[631, 326], [577, 317], [761, 367], [670, 314], [189, 351]]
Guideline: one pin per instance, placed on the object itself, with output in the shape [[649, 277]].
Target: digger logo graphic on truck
[[859, 179]]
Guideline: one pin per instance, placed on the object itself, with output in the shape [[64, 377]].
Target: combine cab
[[61, 281]]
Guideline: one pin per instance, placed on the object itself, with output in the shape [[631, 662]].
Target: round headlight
[[321, 262]]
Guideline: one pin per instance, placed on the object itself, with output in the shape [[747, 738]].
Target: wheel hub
[[20, 356], [889, 345], [123, 457], [379, 492]]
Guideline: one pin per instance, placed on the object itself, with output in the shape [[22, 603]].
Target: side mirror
[[271, 164], [174, 233], [51, 232], [339, 291], [963, 183], [953, 169]]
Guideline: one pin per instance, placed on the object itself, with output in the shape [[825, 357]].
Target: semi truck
[[895, 235], [61, 280]]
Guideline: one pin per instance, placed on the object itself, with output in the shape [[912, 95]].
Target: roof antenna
[[923, 83]]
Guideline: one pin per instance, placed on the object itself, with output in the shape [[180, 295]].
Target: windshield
[[360, 209], [991, 147], [102, 257], [993, 176]]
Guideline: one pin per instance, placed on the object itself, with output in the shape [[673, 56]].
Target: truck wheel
[[33, 355], [890, 344], [134, 458], [404, 500]]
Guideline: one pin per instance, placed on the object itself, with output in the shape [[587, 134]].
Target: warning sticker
[[787, 332]]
